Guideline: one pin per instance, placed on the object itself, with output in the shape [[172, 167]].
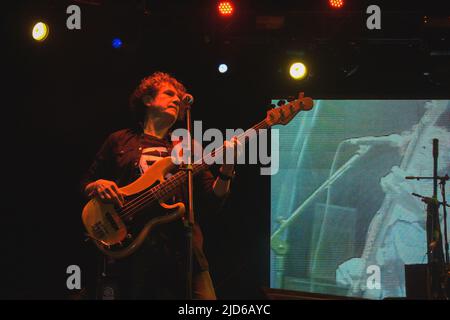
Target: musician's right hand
[[107, 191]]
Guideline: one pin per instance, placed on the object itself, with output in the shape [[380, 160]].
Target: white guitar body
[[111, 233]]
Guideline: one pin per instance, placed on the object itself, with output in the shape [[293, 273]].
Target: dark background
[[65, 95]]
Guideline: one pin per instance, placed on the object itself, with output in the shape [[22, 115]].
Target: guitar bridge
[[99, 231]]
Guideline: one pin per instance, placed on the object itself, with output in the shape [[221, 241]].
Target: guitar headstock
[[284, 114]]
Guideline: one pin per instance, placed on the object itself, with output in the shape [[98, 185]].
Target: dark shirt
[[123, 158]]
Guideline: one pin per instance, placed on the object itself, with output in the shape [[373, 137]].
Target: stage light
[[117, 43], [226, 8], [298, 71], [336, 4], [40, 31], [223, 68]]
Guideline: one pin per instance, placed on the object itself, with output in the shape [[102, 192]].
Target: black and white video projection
[[344, 221]]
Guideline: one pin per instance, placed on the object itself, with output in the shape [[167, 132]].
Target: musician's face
[[166, 103]]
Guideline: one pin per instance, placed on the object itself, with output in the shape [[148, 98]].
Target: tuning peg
[[291, 98], [271, 106], [281, 102]]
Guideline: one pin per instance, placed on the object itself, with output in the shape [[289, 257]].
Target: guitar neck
[[168, 186], [242, 138]]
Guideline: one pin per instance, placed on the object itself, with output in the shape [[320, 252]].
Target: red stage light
[[337, 4], [225, 8]]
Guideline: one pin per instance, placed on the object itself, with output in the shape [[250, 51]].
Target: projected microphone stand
[[437, 272], [277, 241]]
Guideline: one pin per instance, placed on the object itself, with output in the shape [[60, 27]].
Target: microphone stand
[[437, 264], [189, 219]]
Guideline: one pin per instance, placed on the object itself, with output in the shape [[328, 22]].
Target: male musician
[[157, 269]]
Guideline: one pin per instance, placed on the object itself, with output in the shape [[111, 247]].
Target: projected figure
[[396, 235]]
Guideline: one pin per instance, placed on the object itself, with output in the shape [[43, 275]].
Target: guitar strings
[[149, 196]]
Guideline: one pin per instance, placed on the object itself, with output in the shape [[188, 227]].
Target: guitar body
[[119, 234]]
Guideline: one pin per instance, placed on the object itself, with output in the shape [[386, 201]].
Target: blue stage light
[[116, 43]]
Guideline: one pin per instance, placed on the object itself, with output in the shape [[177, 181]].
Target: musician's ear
[[147, 99]]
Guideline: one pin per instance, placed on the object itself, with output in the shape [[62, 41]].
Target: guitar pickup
[[111, 221]]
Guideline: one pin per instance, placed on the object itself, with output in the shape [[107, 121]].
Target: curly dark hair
[[150, 86]]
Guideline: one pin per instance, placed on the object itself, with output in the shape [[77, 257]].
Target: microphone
[[188, 99], [394, 140]]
